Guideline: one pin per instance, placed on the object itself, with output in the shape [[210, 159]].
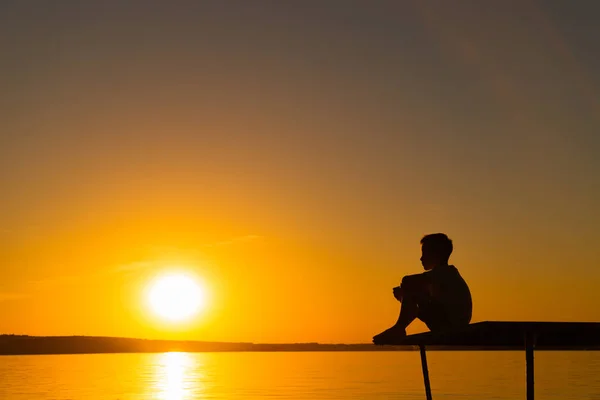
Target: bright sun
[[175, 297]]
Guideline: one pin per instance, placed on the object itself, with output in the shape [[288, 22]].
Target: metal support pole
[[426, 372], [529, 345]]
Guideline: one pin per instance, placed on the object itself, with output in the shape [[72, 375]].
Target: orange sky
[[292, 158]]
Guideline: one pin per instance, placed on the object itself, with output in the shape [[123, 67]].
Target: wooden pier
[[500, 335]]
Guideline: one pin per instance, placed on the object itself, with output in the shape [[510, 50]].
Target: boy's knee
[[410, 280]]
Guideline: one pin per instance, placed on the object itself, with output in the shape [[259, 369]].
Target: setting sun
[[175, 297]]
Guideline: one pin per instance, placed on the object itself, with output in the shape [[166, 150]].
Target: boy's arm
[[419, 285]]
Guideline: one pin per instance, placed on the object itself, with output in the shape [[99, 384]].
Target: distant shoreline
[[25, 345], [46, 345]]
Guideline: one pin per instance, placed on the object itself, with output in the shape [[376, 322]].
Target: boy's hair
[[439, 243]]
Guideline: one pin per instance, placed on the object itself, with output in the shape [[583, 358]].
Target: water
[[299, 376]]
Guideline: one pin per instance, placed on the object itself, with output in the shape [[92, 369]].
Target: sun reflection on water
[[176, 377]]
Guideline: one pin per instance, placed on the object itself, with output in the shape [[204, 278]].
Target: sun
[[175, 297]]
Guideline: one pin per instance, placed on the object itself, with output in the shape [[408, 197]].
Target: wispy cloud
[[55, 281], [134, 266], [235, 240], [5, 296], [72, 279]]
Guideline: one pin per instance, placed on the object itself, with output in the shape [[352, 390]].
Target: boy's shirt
[[449, 290]]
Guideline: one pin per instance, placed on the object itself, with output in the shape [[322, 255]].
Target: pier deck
[[503, 335]]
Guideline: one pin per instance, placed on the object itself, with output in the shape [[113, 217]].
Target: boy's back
[[451, 294]]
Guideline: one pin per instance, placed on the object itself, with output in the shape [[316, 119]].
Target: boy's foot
[[393, 335]]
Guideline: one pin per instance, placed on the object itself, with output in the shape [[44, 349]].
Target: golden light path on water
[[177, 377]]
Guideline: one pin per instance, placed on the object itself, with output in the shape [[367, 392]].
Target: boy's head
[[435, 250]]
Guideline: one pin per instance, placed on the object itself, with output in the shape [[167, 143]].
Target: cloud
[[11, 296], [134, 266], [239, 239], [71, 279], [54, 281], [50, 282]]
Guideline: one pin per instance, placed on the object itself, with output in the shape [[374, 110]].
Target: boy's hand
[[398, 293]]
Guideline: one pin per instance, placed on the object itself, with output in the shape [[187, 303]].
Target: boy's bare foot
[[393, 335]]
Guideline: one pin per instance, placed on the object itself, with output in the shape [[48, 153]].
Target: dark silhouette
[[21, 344], [439, 297]]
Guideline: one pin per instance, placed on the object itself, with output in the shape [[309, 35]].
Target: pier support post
[[529, 346], [426, 372]]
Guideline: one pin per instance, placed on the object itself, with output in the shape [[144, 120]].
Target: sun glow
[[176, 297]]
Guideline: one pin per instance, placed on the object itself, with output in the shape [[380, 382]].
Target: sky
[[291, 155]]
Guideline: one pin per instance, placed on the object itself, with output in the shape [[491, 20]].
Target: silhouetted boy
[[439, 297]]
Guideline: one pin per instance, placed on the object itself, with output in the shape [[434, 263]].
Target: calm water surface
[[353, 375]]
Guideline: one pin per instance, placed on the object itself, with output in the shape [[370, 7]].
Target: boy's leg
[[433, 315], [413, 293], [409, 311]]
